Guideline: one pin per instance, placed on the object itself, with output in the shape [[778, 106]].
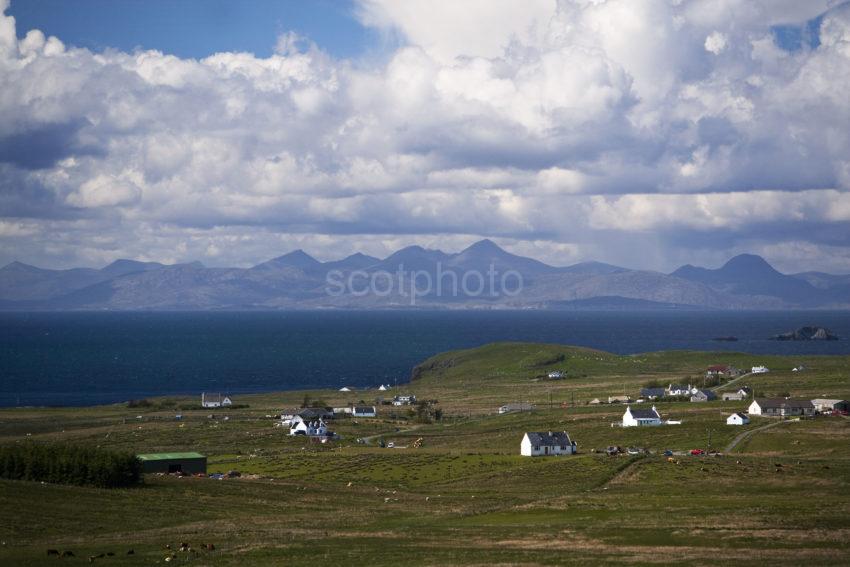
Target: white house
[[638, 417], [781, 407], [300, 426], [759, 370], [404, 400], [737, 419], [535, 444], [364, 411], [680, 390], [214, 400]]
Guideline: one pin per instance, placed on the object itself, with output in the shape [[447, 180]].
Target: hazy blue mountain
[[485, 253], [121, 267], [22, 282], [748, 274], [413, 258], [298, 281], [356, 261], [592, 268]]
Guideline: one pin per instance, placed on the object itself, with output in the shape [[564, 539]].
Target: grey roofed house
[[784, 402], [315, 413], [644, 413], [560, 438], [653, 393], [703, 396]]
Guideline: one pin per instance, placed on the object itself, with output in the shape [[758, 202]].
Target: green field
[[465, 496]]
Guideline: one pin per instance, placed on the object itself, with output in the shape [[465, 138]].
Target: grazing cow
[[52, 552], [210, 547], [67, 553], [130, 552]]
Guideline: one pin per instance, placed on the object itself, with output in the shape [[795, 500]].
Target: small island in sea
[[808, 333]]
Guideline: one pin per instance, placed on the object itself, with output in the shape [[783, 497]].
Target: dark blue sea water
[[91, 358]]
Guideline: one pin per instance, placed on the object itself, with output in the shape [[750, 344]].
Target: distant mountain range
[[483, 276]]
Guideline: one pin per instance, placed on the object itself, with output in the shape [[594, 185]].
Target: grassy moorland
[[465, 496]]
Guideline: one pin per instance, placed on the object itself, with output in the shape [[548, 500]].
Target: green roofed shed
[[189, 463]]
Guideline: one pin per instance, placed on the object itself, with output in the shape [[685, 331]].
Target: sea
[[78, 359]]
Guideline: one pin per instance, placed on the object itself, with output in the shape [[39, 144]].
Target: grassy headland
[[465, 496]]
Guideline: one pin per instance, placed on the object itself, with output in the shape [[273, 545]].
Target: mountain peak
[[485, 246], [125, 266], [18, 266], [748, 262], [295, 259]]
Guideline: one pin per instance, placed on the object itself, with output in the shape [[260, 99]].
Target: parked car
[[633, 451], [668, 453], [697, 452]]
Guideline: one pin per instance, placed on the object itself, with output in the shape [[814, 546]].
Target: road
[[730, 382], [749, 433]]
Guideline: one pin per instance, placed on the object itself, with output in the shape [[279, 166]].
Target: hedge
[[69, 464]]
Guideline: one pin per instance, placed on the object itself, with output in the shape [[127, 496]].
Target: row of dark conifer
[[69, 464]]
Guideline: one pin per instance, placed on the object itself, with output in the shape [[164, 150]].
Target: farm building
[[521, 406], [759, 370], [823, 405], [619, 399], [737, 419], [556, 375], [364, 411], [782, 407], [189, 463], [535, 444], [741, 394], [404, 400], [637, 417], [215, 400]]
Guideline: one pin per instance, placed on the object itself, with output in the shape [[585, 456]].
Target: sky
[[644, 133]]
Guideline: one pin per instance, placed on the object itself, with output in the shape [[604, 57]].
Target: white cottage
[[300, 426], [781, 407], [364, 411], [214, 400], [737, 419], [638, 417], [536, 444]]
